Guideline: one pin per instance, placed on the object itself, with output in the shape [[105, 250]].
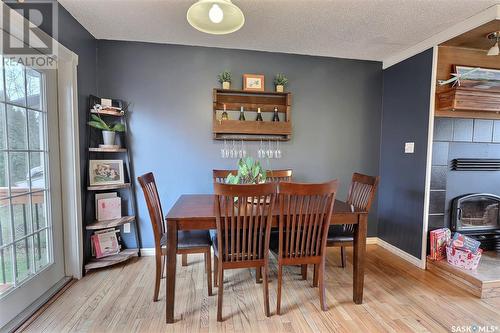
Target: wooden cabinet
[[468, 103], [249, 130]]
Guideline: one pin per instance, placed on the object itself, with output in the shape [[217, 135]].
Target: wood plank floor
[[398, 298]]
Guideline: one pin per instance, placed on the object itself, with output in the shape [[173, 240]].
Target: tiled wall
[[453, 138]]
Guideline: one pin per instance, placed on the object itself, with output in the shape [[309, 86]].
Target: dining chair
[[305, 213], [361, 194], [196, 241], [276, 176], [243, 215]]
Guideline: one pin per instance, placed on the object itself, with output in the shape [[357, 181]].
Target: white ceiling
[[357, 29]]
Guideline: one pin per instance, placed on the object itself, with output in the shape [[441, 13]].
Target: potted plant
[[280, 81], [108, 131], [225, 79], [249, 172]]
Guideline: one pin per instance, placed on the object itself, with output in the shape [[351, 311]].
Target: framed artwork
[[253, 82], [106, 172], [478, 78]]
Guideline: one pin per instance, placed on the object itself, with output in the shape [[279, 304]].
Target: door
[[31, 246]]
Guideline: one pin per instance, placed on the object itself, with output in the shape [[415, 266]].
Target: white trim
[[427, 191], [67, 62], [490, 14], [150, 251], [400, 253]]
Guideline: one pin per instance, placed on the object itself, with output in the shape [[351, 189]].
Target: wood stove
[[478, 215]]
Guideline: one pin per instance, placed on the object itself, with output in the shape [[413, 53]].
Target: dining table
[[197, 212]]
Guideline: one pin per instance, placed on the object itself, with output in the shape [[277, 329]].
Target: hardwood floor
[[398, 298]]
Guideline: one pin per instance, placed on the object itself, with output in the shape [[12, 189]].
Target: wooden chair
[[361, 194], [188, 241], [275, 176], [243, 232], [305, 213]]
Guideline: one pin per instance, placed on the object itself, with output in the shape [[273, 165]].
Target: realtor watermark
[[30, 41], [475, 328]]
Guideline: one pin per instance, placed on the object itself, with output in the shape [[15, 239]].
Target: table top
[[202, 207]]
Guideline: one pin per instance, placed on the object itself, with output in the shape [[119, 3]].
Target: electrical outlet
[[409, 147], [126, 228]]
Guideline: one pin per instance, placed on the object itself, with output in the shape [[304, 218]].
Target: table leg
[[171, 268], [360, 230]]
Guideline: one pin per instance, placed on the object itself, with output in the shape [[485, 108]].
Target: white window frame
[[69, 146]]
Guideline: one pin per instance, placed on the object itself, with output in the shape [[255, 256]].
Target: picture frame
[[106, 172], [482, 78], [253, 82]]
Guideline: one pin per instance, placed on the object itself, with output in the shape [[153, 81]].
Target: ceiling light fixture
[[494, 50], [216, 17]]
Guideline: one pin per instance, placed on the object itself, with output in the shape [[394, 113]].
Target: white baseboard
[[371, 240], [402, 254]]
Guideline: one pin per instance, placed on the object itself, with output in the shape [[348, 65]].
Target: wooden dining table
[[197, 212]]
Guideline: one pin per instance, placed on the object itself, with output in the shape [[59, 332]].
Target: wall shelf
[[107, 187], [250, 101], [110, 223], [108, 113], [112, 260], [468, 103], [108, 150]]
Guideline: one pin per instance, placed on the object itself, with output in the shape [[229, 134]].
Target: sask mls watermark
[[29, 41], [474, 328]]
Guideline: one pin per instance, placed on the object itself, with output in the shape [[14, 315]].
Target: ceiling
[[356, 29], [476, 38]]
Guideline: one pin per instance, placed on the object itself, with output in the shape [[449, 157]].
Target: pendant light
[[216, 17], [494, 50]]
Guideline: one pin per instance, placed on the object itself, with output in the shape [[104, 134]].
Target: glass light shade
[[216, 17], [495, 50]]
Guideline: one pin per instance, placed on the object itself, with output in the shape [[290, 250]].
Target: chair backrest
[[244, 215], [305, 214], [273, 176], [220, 176], [277, 176], [362, 191], [150, 191]]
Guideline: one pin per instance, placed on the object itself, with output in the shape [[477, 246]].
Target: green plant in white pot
[[108, 130], [225, 79], [280, 81], [249, 172]]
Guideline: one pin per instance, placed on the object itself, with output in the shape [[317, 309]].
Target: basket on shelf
[[463, 258]]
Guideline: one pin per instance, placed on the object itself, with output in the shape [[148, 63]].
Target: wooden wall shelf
[[468, 103], [251, 100]]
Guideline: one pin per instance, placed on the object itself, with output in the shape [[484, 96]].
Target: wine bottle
[[224, 114], [276, 116], [242, 114], [259, 115]]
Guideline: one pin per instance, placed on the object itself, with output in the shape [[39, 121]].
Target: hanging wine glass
[[233, 153], [270, 152], [260, 152], [223, 150], [243, 149], [240, 151]]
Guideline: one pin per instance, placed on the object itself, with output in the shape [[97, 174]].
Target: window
[[25, 228]]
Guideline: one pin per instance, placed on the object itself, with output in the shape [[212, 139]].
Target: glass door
[[31, 249]]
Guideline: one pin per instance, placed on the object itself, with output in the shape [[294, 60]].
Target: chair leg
[[278, 296], [266, 290], [322, 295], [158, 258], [184, 260], [342, 256], [220, 293], [208, 269], [258, 275], [304, 272], [216, 271], [315, 276]]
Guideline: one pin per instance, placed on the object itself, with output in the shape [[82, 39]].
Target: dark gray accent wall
[[336, 114], [405, 118]]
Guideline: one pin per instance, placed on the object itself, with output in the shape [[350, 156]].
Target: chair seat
[[189, 239], [336, 233]]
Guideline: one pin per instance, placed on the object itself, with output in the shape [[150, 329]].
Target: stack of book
[[439, 238], [105, 243]]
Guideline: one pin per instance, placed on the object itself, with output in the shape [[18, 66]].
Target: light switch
[[126, 228], [409, 147]]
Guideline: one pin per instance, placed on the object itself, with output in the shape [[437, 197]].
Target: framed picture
[[478, 78], [253, 82], [106, 172]]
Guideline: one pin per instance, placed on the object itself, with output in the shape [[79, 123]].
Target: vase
[[226, 85], [108, 137], [280, 88]]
